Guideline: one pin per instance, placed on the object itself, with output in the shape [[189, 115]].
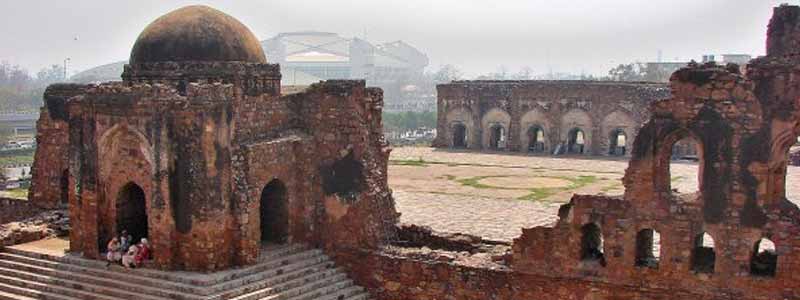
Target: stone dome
[[197, 33]]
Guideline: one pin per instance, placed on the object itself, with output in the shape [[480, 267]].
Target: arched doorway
[[616, 143], [132, 211], [592, 244], [535, 139], [764, 260], [274, 213], [64, 188], [703, 255], [576, 141], [459, 135], [497, 138]]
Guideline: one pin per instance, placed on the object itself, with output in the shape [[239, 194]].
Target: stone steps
[[290, 272]]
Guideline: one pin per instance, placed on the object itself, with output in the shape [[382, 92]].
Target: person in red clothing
[[143, 253]]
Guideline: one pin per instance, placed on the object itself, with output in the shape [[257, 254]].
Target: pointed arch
[[764, 260], [534, 132], [573, 122], [495, 125], [460, 119]]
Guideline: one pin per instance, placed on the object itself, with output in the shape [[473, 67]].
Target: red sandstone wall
[[390, 277], [595, 107], [52, 139], [13, 210]]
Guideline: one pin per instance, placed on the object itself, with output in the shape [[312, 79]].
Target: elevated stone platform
[[42, 270]]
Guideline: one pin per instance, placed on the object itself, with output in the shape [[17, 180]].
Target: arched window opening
[[685, 166], [535, 139], [274, 213], [459, 136], [132, 212], [576, 141], [497, 137], [64, 201], [703, 255], [648, 248], [592, 244], [616, 143], [765, 259]]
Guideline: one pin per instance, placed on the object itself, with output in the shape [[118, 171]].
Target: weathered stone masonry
[[736, 238], [476, 114], [197, 150], [192, 146]]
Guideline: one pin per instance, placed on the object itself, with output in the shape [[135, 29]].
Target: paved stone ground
[[428, 195]]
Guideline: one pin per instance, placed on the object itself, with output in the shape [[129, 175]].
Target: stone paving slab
[[426, 197]]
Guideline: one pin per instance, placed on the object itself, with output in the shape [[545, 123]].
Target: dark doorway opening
[[765, 259], [616, 143], [64, 201], [132, 212], [497, 138], [592, 244], [536, 139], [703, 255], [459, 136], [648, 249], [576, 141], [274, 213]]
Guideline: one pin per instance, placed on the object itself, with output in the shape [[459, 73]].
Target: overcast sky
[[476, 35]]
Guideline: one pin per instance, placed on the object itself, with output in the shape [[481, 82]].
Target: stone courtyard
[[438, 188]]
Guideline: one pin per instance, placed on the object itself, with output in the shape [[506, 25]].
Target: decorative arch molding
[[113, 134], [463, 116], [615, 122], [492, 119], [534, 119], [577, 119], [124, 157]]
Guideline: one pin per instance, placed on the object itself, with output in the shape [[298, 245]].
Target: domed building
[[197, 150]]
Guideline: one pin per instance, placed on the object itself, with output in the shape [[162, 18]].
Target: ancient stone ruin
[[544, 117], [735, 238], [197, 150]]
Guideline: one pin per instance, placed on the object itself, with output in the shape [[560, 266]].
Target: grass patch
[[608, 188], [538, 194], [475, 182], [16, 160], [448, 177], [535, 193], [409, 162], [15, 193]]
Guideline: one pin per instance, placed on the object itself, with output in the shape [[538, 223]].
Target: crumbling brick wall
[[744, 126], [50, 172], [651, 243], [599, 109]]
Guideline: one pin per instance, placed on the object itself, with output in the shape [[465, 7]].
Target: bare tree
[[447, 73]]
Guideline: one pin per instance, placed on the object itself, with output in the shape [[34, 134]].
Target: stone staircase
[[287, 272]]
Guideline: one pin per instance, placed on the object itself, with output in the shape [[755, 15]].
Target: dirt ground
[[494, 195]]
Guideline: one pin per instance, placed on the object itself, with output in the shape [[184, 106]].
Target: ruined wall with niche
[[350, 156], [556, 107], [49, 172], [174, 147], [732, 239], [163, 140]]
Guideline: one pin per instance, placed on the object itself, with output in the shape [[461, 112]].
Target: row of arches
[[536, 134], [132, 216], [763, 260], [576, 140]]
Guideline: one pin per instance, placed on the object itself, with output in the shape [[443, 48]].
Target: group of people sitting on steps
[[121, 249]]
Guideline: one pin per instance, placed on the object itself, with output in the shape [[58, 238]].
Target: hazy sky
[[477, 35]]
